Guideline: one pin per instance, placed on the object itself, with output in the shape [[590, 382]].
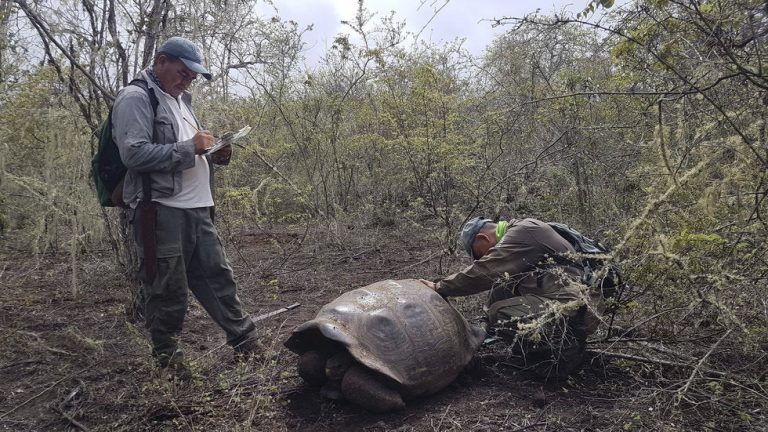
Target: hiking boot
[[174, 365], [557, 365], [180, 371], [248, 349]]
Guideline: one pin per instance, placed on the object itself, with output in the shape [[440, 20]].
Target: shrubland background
[[645, 129]]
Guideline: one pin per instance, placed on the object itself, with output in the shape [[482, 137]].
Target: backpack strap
[[147, 208], [146, 183], [138, 82]]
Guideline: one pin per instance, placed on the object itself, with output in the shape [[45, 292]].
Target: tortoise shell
[[400, 329]]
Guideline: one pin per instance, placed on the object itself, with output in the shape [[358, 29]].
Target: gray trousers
[[190, 257], [559, 349]]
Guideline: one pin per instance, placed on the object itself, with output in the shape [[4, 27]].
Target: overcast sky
[[457, 19]]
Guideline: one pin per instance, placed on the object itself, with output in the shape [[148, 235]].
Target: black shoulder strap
[[146, 183], [138, 82]]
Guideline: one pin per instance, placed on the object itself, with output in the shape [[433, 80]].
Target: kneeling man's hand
[[431, 285]]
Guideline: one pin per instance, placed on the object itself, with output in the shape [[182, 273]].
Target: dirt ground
[[74, 362]]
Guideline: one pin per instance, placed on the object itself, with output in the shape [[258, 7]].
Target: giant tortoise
[[385, 343]]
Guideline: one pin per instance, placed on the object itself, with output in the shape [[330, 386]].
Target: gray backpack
[[597, 273]]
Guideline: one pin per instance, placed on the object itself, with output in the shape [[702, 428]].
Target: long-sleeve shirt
[[519, 264]]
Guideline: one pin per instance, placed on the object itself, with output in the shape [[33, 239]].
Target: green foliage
[[45, 180], [687, 242], [593, 5]]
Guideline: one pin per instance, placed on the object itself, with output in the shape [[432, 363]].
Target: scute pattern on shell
[[400, 329]]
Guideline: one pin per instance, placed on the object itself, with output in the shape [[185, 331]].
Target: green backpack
[[107, 169]]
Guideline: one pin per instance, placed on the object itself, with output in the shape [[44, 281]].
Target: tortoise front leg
[[362, 387], [311, 367]]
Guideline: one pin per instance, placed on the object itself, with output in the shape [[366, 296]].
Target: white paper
[[228, 139]]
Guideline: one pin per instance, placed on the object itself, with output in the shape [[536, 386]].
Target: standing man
[[536, 299], [169, 185]]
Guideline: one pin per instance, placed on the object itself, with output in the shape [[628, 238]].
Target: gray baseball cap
[[187, 52], [469, 232]]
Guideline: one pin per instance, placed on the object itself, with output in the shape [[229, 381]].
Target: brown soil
[[74, 362]]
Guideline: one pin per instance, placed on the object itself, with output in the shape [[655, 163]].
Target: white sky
[[458, 19]]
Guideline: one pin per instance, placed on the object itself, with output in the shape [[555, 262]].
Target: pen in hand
[[208, 148], [191, 124], [203, 139]]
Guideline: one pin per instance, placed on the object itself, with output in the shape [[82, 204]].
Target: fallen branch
[[19, 363], [445, 413], [532, 425], [57, 351], [662, 362], [41, 342], [698, 367], [7, 413], [427, 259], [70, 419]]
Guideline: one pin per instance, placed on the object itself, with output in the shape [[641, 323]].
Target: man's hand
[[431, 285], [203, 140]]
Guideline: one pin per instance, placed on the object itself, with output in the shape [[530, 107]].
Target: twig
[[427, 259], [40, 341], [443, 417], [647, 343], [70, 419], [660, 362], [536, 421], [18, 363], [622, 339], [652, 317], [654, 204], [759, 392], [34, 397], [319, 266], [698, 367], [274, 169], [57, 351], [662, 349], [183, 417], [663, 147], [436, 12], [532, 425]]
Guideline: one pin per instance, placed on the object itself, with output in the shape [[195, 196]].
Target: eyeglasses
[[185, 73]]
